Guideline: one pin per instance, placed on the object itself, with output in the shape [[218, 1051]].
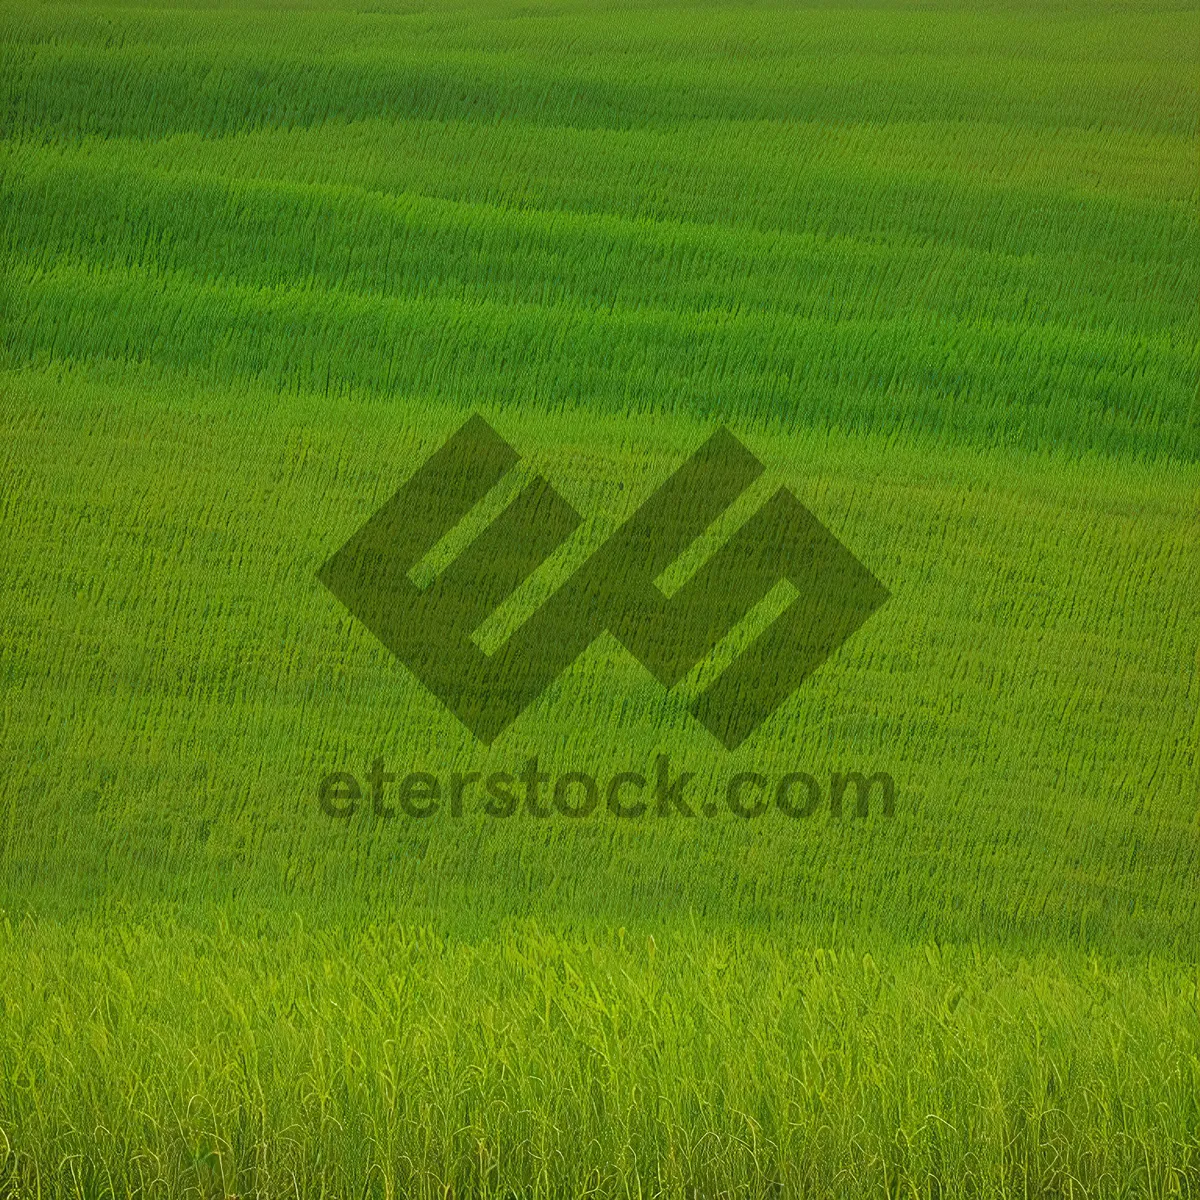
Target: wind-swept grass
[[937, 268]]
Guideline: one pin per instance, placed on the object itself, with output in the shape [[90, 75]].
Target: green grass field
[[936, 265]]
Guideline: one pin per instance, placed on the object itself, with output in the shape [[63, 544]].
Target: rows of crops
[[936, 268], [925, 301]]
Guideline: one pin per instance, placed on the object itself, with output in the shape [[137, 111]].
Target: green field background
[[936, 265]]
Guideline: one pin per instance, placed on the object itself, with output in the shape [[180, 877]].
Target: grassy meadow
[[936, 265]]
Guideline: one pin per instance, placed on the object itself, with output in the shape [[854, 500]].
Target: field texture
[[935, 265]]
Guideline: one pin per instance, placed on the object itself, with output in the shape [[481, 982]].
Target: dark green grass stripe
[[876, 65], [965, 250], [990, 382]]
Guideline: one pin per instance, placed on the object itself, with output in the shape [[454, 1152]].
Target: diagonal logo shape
[[430, 628]]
